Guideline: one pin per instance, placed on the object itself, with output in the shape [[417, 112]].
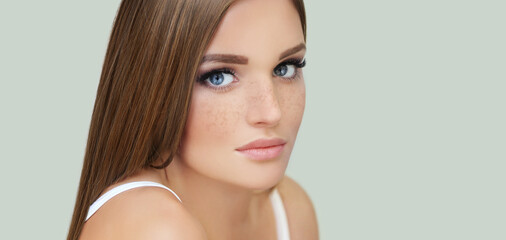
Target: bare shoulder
[[299, 210], [143, 213]]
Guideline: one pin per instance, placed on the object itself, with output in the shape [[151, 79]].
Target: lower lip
[[263, 154]]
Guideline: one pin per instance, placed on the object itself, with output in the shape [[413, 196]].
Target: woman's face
[[250, 88]]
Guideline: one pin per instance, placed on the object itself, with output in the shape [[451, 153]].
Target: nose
[[263, 107]]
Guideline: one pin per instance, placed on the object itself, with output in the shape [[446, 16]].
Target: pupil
[[217, 79], [281, 71]]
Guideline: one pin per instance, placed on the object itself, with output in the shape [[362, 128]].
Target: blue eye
[[286, 71], [288, 68], [220, 79], [217, 78]]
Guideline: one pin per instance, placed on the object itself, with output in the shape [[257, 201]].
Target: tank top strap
[[280, 215], [121, 188]]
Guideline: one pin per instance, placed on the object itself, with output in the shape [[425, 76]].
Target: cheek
[[293, 102], [211, 120]]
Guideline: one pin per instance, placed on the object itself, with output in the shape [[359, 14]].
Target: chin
[[263, 178], [261, 186]]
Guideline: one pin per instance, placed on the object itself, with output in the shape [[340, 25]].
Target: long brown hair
[[145, 89]]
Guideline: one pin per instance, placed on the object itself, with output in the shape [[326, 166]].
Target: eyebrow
[[293, 50], [225, 58], [238, 59]]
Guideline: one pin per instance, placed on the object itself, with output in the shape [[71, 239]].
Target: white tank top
[[276, 201]]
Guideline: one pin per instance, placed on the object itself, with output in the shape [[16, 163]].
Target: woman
[[196, 115]]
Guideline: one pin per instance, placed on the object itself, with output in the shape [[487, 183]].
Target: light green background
[[403, 138]]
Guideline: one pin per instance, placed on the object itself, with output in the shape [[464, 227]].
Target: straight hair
[[144, 93]]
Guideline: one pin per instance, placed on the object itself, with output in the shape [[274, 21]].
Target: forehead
[[256, 27]]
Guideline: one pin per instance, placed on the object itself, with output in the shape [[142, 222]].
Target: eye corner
[[302, 63]]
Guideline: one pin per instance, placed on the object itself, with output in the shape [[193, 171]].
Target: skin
[[225, 194]]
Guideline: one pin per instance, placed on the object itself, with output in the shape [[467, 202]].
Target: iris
[[216, 79], [281, 70]]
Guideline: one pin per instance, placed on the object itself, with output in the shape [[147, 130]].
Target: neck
[[220, 207]]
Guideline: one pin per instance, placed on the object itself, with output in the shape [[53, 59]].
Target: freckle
[[293, 102], [217, 118], [222, 118]]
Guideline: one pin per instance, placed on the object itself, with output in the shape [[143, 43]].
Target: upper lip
[[262, 143]]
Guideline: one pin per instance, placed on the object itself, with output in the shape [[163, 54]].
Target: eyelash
[[297, 62]]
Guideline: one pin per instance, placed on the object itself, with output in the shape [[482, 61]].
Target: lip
[[263, 149]]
